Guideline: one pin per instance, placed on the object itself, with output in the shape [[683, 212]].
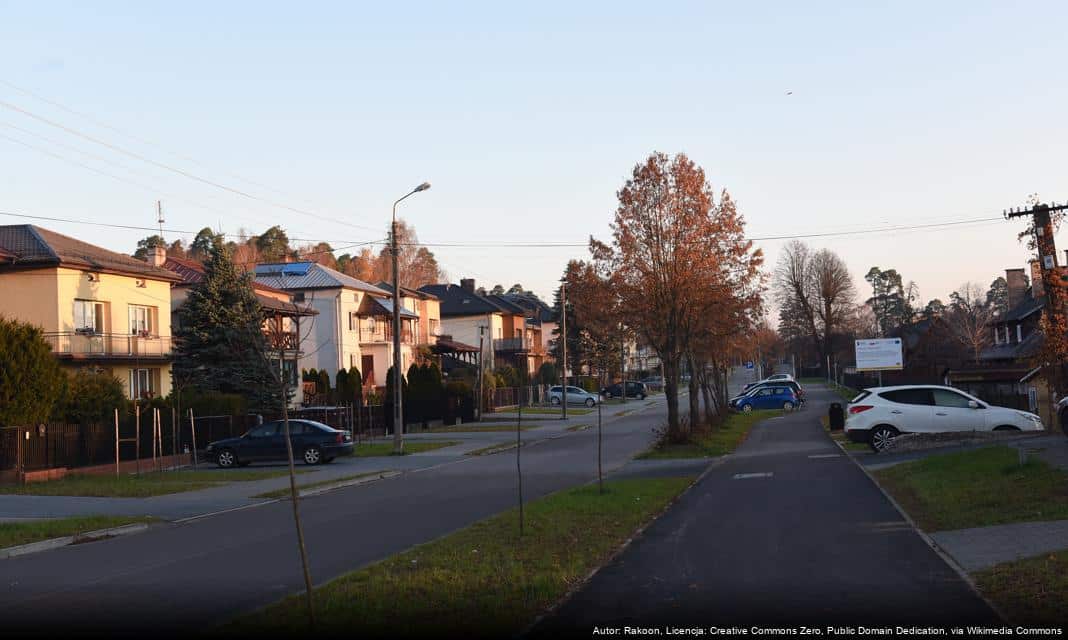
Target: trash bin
[[836, 416]]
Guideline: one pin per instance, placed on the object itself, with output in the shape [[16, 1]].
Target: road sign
[[749, 365], [880, 354]]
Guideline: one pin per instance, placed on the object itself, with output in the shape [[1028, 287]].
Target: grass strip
[[284, 492], [481, 581], [376, 449], [480, 428], [493, 448], [841, 438], [976, 489], [708, 443], [571, 411], [579, 427], [145, 485], [1029, 592], [13, 534]]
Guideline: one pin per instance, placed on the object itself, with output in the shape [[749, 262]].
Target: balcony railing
[[77, 344], [511, 344], [385, 336], [288, 341]]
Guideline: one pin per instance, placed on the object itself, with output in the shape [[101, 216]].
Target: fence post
[[116, 443], [137, 436], [154, 412], [174, 433], [193, 429], [20, 473]]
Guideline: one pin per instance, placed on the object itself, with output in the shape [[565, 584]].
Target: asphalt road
[[184, 577], [785, 532]]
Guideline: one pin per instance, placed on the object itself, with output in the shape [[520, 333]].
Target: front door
[[367, 368], [952, 412]]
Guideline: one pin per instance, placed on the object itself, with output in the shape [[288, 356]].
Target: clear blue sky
[[527, 119]]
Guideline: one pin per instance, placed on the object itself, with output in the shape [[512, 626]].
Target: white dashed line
[[750, 476], [825, 455]]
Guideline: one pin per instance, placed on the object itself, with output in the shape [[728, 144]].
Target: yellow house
[[97, 308]]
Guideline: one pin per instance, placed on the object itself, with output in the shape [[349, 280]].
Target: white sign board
[[880, 354]]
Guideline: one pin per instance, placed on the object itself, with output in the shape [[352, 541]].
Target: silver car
[[575, 395]]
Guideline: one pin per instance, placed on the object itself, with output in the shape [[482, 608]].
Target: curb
[[578, 586], [55, 543], [946, 557]]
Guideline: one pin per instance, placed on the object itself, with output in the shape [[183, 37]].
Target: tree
[[146, 245], [817, 292], [890, 301], [273, 245], [934, 308], [497, 290], [176, 250], [417, 264], [220, 340], [91, 397], [321, 253], [968, 318], [997, 296], [200, 248], [516, 289], [28, 364], [675, 253]]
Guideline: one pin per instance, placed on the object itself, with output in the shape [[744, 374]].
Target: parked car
[[799, 391], [780, 376], [879, 414], [1062, 414], [575, 395], [769, 397], [653, 383], [634, 390], [313, 442]]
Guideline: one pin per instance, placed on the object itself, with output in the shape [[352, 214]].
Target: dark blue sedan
[[313, 442], [769, 397]]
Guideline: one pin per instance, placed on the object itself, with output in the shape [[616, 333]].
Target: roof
[[1030, 346], [1013, 374], [290, 276], [375, 306], [507, 305], [449, 345], [192, 272], [30, 246], [407, 291], [455, 301], [1021, 311]]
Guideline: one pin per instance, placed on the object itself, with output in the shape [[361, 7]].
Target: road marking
[[825, 455], [749, 476]]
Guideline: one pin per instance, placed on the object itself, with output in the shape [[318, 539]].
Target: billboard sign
[[881, 354]]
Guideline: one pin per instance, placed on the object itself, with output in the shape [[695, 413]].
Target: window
[[908, 396], [266, 430], [140, 320], [298, 297], [434, 327], [353, 321], [140, 383], [947, 398], [88, 316]]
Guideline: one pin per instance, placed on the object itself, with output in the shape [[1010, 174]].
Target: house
[[282, 318], [97, 308], [354, 325], [1007, 373], [504, 330], [426, 306]]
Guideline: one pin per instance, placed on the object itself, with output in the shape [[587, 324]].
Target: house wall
[[32, 297], [465, 329]]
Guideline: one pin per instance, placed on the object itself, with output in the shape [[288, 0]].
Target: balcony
[[77, 345], [511, 345], [287, 341], [369, 337]]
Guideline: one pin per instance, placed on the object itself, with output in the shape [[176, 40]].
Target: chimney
[[1017, 281], [1037, 288], [156, 256], [467, 284]]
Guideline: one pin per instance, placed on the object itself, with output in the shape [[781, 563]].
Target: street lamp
[[398, 396]]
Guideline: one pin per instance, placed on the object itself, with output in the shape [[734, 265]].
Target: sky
[[527, 119]]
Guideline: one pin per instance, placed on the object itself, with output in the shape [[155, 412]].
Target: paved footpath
[[787, 530]]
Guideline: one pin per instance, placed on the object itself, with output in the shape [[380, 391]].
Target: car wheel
[[590, 402], [226, 458], [747, 408], [879, 438], [313, 455], [1006, 427], [554, 400], [787, 406]]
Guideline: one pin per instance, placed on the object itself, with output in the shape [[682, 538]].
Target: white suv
[[879, 414]]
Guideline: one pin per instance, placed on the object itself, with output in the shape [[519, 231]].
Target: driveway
[[786, 531]]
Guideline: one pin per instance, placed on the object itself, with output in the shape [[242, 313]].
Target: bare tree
[[968, 318]]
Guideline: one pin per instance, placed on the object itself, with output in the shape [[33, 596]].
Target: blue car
[[313, 442], [767, 397]]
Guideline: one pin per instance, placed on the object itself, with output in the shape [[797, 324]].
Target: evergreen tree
[[997, 296], [31, 381], [220, 343]]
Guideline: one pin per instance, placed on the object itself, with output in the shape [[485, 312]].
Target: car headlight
[[210, 446], [1032, 417]]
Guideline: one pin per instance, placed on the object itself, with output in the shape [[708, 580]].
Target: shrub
[[91, 397], [31, 381]]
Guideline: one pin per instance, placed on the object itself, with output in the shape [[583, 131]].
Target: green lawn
[[13, 534], [721, 440], [844, 392], [145, 485], [555, 411], [385, 448], [977, 488], [475, 427], [579, 427], [285, 492], [1032, 591], [481, 581]]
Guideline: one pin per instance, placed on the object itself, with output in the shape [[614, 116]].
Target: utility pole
[[623, 362], [563, 347], [481, 367]]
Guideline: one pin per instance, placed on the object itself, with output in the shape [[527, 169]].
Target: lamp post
[[563, 348], [398, 396]]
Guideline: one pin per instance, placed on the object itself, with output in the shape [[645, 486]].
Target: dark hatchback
[[313, 442], [634, 390]]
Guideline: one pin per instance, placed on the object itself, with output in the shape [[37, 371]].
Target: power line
[[167, 167]]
